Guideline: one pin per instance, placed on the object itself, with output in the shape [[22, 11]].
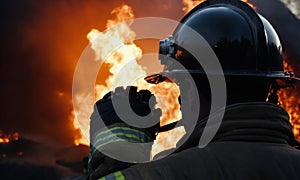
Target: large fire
[[116, 47]]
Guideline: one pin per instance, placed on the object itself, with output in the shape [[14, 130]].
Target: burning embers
[[6, 138], [7, 143]]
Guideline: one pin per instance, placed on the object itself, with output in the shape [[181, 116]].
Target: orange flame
[[116, 46], [289, 99]]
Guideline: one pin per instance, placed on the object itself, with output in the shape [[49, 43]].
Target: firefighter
[[108, 139], [255, 138]]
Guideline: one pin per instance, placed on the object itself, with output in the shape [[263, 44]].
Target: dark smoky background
[[287, 26]]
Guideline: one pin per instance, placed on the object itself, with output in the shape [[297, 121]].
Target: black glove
[[100, 164], [139, 102]]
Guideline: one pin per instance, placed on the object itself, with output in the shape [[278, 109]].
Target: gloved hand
[[142, 104]]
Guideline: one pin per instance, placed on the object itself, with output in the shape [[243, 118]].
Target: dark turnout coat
[[252, 143]]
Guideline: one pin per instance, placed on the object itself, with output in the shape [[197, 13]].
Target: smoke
[[287, 25], [41, 44], [293, 5]]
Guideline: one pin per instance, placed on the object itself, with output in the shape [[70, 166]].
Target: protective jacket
[[253, 142]]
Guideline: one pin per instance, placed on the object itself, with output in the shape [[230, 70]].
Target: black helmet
[[245, 43]]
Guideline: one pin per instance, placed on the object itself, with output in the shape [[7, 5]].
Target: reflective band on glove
[[117, 134]]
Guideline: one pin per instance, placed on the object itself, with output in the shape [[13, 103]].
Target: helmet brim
[[284, 79]]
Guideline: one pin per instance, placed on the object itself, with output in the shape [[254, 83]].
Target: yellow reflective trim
[[119, 175], [122, 128], [114, 176], [132, 136], [120, 134]]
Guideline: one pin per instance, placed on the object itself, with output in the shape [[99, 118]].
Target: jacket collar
[[265, 122]]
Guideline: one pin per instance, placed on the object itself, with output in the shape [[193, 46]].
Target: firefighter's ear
[[273, 97]]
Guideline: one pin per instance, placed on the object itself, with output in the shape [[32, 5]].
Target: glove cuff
[[120, 132], [117, 133]]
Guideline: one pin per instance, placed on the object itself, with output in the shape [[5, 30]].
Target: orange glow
[[4, 140], [289, 99]]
